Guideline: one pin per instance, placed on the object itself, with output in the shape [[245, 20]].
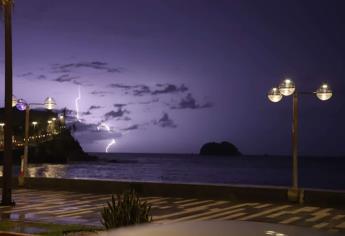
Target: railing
[[34, 139]]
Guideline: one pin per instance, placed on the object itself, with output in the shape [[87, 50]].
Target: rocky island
[[219, 149]]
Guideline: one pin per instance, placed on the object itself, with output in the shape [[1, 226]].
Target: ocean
[[314, 172]]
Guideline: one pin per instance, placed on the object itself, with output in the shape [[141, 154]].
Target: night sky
[[170, 75]]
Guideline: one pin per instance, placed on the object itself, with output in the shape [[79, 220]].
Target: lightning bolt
[[112, 142], [77, 103], [107, 128], [103, 125]]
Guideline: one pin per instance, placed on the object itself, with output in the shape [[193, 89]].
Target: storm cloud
[[158, 89], [165, 122], [95, 65], [119, 113], [189, 102]]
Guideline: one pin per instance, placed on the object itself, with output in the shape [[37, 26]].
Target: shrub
[[125, 210]]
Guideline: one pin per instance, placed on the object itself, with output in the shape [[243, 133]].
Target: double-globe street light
[[22, 105], [276, 94]]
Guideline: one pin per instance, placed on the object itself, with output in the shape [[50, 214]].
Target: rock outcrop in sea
[[219, 149]]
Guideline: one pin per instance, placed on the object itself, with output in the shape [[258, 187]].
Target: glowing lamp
[[14, 101], [274, 95], [49, 121], [21, 105], [49, 103], [324, 92], [287, 87]]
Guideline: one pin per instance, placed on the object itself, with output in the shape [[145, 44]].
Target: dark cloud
[[149, 102], [119, 113], [169, 88], [165, 122], [94, 107], [120, 105], [141, 90], [41, 77], [26, 74], [76, 82], [122, 86], [96, 65], [100, 93], [136, 90], [132, 127], [190, 103], [126, 118], [66, 78], [86, 113]]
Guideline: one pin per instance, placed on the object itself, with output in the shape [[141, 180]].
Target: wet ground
[[63, 207]]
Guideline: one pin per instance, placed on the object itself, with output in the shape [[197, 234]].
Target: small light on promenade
[[14, 101], [287, 88], [34, 123]]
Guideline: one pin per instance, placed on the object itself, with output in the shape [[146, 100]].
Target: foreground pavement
[[81, 208]]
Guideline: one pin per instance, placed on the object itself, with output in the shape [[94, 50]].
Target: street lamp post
[[287, 88], [7, 163], [2, 135], [22, 105]]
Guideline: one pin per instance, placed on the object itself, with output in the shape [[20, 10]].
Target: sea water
[[314, 172]]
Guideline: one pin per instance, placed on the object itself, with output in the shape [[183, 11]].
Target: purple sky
[[170, 75]]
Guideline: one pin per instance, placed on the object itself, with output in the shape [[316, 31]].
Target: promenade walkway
[[81, 208]]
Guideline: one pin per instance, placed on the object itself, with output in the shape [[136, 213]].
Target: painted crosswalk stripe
[[185, 201], [263, 206], [321, 225], [195, 203], [82, 212], [290, 220], [187, 211], [319, 215], [206, 215], [265, 212], [292, 212], [338, 217], [234, 216]]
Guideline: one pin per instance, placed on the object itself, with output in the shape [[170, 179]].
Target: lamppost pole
[[295, 142], [24, 161], [7, 168]]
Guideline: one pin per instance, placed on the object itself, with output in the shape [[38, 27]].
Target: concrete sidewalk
[[82, 208]]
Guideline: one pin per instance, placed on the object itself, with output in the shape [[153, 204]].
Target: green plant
[[125, 210]]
